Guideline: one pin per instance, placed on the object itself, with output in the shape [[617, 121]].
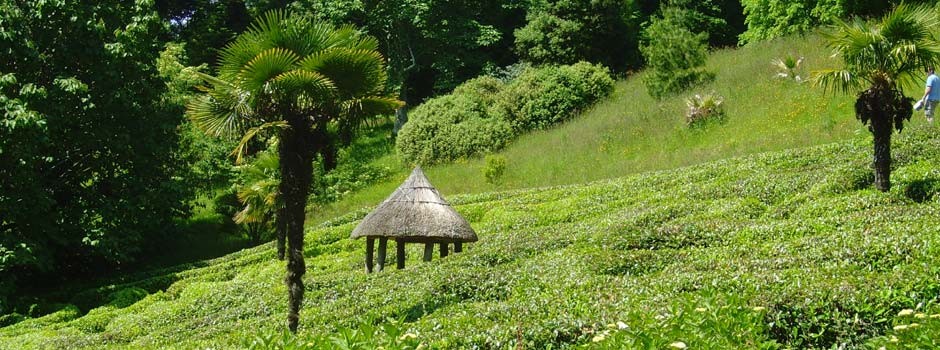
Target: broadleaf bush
[[484, 114]]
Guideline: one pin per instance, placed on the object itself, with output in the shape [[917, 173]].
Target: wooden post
[[383, 244], [428, 251], [443, 250], [370, 248], [400, 246], [458, 247]]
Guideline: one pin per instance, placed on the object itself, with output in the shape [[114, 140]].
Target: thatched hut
[[414, 213]]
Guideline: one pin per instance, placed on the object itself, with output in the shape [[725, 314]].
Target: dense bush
[[540, 98], [569, 31], [675, 56], [450, 127], [483, 114]]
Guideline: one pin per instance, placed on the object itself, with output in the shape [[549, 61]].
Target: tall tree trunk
[[281, 232], [882, 156], [296, 157]]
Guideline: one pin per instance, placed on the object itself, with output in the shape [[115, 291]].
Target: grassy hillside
[[630, 132], [779, 249]]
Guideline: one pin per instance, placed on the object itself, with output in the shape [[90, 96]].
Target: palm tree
[[882, 55], [258, 192], [298, 79]]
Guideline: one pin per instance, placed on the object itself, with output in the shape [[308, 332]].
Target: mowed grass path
[[630, 132], [780, 249]]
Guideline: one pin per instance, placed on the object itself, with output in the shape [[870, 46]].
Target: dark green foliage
[[484, 114], [434, 45], [723, 20], [569, 31], [86, 147], [675, 55], [204, 26]]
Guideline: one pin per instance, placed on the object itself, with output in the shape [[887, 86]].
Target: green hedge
[[484, 114]]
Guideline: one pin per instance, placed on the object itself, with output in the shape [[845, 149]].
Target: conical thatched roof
[[416, 212]]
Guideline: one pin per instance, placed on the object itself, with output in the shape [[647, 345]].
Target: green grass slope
[[630, 132], [786, 249]]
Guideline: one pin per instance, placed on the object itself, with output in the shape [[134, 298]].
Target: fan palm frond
[[267, 65], [354, 72]]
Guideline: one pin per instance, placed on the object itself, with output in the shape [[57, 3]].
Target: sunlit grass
[[631, 132]]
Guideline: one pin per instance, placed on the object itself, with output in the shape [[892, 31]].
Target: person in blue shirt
[[931, 94]]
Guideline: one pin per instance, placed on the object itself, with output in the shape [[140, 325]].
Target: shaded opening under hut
[[414, 213]]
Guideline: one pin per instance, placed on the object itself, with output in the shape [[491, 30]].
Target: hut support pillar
[[400, 247], [428, 251], [370, 248], [458, 247], [443, 250], [383, 244]]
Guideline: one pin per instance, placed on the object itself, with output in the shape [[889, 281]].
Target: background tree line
[[99, 168]]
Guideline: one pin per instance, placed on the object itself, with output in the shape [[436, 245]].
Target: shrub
[[494, 168], [542, 97], [703, 109], [450, 127], [675, 55], [483, 114]]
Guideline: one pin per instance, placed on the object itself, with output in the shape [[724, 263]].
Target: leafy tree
[[300, 79], [434, 45], [675, 56], [204, 26], [206, 158], [882, 56], [568, 31], [723, 20], [86, 144], [767, 19]]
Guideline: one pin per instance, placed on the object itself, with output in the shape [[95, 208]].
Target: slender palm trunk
[[882, 155], [296, 157], [281, 233]]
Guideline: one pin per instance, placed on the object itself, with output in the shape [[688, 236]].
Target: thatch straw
[[416, 212]]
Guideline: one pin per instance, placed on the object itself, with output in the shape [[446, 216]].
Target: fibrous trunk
[[296, 157], [882, 156], [883, 109]]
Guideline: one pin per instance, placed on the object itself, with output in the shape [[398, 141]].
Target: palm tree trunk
[[296, 157], [281, 232], [882, 157], [874, 105]]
